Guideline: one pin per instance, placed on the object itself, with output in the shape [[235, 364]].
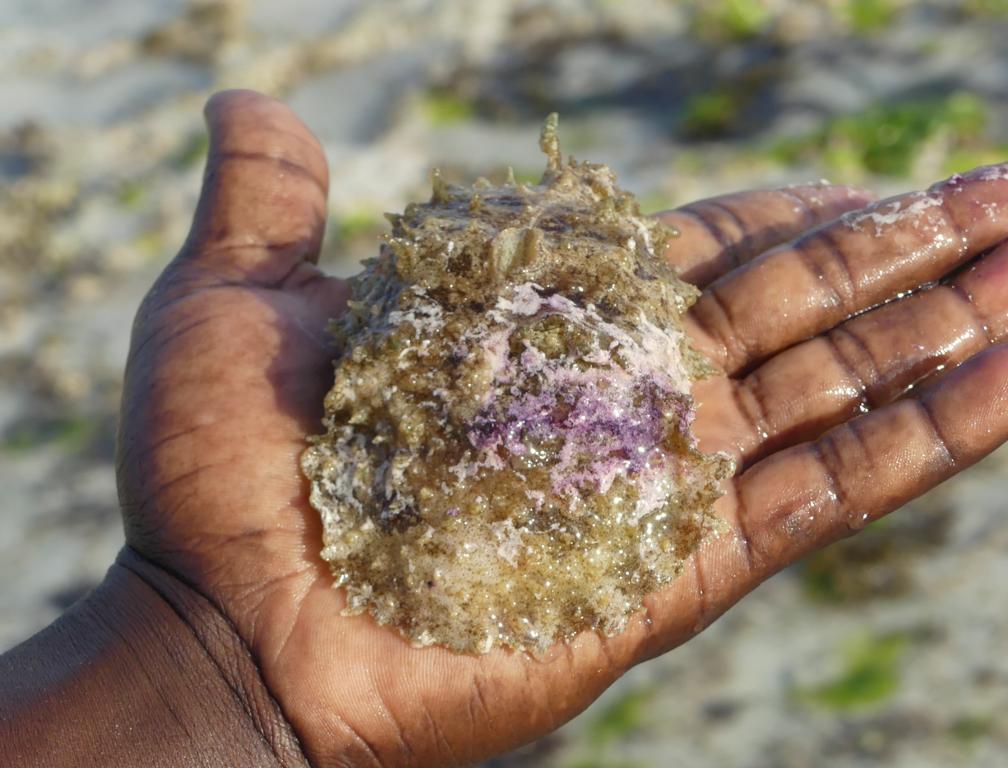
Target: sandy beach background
[[886, 649]]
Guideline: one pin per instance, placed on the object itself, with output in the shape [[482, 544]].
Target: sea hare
[[507, 457]]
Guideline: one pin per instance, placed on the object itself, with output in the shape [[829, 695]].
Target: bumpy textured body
[[507, 457]]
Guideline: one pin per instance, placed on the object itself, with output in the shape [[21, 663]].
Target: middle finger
[[866, 362]]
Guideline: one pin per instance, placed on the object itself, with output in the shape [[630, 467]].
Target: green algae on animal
[[508, 458]]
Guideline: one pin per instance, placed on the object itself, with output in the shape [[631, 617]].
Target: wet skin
[[229, 365]]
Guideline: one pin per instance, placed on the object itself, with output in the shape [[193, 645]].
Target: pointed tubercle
[[549, 143]]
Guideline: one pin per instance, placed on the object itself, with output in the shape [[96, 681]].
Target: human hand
[[229, 366]]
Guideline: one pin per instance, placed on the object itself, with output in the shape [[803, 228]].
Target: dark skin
[[222, 593]]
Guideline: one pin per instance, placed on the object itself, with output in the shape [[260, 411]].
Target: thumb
[[262, 209]]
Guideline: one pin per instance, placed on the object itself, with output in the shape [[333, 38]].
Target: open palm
[[229, 366]]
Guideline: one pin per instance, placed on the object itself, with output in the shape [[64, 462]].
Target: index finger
[[720, 233], [866, 257]]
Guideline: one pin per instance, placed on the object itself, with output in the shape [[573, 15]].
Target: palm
[[227, 375]]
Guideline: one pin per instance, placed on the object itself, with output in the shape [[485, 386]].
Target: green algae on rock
[[507, 457]]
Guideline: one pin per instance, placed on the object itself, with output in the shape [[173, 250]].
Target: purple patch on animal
[[601, 431]]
